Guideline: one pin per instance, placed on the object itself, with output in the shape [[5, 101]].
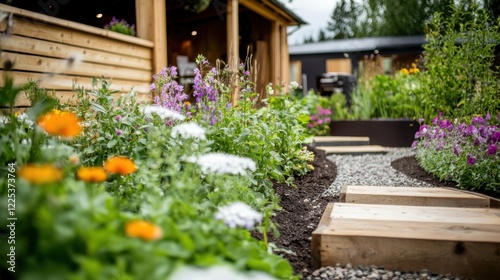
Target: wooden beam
[[284, 60], [413, 196], [263, 10], [275, 54], [233, 54], [151, 17], [411, 238]]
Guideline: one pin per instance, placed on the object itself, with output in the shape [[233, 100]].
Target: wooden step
[[463, 242], [412, 196], [366, 149], [340, 141]]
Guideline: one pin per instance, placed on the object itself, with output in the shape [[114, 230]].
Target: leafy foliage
[[460, 79]]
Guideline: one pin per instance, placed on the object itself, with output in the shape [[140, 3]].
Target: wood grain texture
[[33, 46], [353, 149], [461, 241], [413, 196]]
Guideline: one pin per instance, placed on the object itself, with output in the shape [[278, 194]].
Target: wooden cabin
[[40, 36], [359, 56]]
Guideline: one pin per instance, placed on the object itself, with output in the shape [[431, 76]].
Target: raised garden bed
[[384, 132]]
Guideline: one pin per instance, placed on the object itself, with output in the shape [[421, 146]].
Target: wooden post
[[275, 54], [151, 19], [285, 59], [233, 55]]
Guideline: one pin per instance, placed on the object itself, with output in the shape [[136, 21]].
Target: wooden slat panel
[[61, 82], [43, 65], [52, 49], [78, 38], [413, 196], [45, 19], [70, 97]]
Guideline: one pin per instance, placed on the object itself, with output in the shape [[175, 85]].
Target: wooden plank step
[[464, 242], [412, 196], [340, 141], [366, 149]]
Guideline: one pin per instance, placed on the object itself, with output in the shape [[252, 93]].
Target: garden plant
[[119, 189]]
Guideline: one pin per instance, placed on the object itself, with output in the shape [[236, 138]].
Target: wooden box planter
[[384, 132]]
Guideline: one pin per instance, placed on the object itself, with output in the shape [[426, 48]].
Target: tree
[[344, 18], [322, 36], [388, 17], [308, 40]]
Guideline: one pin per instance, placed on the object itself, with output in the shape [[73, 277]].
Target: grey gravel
[[371, 170], [373, 272]]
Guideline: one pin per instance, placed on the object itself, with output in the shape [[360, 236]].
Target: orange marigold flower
[[120, 165], [91, 174], [40, 174], [144, 230], [60, 123], [405, 71]]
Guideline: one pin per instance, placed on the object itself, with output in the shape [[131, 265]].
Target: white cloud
[[315, 12]]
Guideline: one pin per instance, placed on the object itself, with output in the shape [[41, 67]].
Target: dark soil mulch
[[303, 206]]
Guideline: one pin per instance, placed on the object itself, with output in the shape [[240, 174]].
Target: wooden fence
[[41, 48]]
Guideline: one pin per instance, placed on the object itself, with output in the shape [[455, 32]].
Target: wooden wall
[[40, 45]]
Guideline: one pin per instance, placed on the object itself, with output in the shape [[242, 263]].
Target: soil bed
[[303, 206]]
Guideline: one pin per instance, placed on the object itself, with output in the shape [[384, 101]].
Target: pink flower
[[320, 121]]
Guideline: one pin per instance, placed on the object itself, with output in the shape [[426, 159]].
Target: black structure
[[313, 56]]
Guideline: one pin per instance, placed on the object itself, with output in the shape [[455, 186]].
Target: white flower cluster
[[163, 113], [238, 214], [294, 85], [217, 273], [189, 130], [4, 120], [24, 118], [269, 89], [221, 163]]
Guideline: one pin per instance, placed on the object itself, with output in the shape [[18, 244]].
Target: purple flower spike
[[118, 118], [488, 117], [456, 149], [471, 159], [492, 149], [119, 132]]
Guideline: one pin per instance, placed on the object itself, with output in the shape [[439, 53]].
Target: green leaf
[[111, 143]]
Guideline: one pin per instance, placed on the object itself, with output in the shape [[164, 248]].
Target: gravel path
[[371, 170]]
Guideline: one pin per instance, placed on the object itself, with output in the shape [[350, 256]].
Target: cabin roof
[[358, 45]]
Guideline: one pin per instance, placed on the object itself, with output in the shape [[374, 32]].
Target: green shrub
[[459, 78]]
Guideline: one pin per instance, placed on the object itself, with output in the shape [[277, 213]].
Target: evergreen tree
[[354, 19], [322, 36]]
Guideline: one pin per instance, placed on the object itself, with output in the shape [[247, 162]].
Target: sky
[[315, 12]]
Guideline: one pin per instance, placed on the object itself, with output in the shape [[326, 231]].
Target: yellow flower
[[187, 103], [91, 174], [120, 165], [405, 71], [40, 174], [60, 123], [144, 230]]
